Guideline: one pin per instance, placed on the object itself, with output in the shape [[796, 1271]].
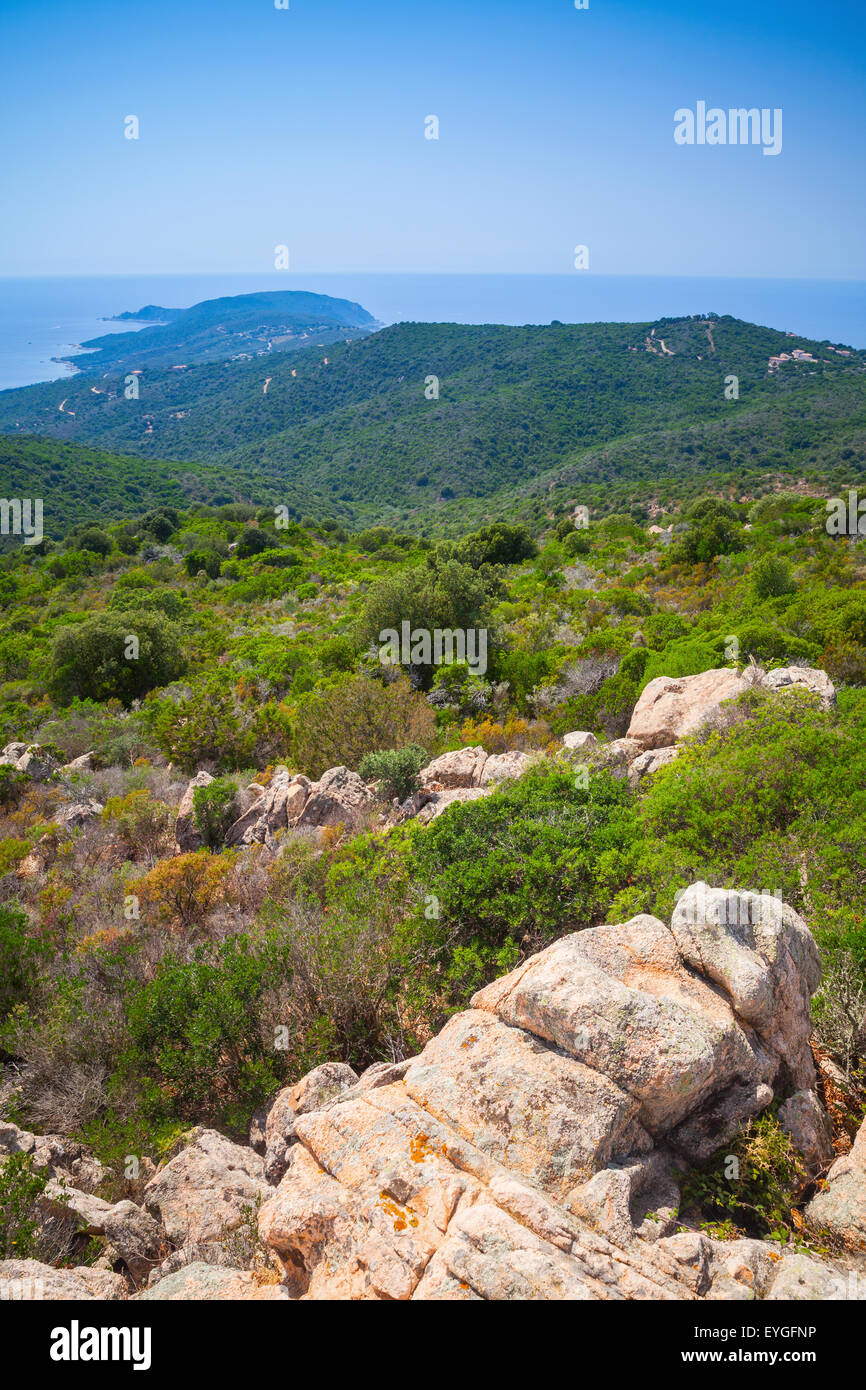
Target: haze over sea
[[46, 318]]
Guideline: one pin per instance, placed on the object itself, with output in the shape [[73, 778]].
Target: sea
[[44, 320]]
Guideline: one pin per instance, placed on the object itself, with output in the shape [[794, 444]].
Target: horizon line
[[474, 274]]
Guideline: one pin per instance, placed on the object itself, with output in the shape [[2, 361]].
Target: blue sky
[[306, 127]]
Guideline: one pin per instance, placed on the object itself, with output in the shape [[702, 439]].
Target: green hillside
[[598, 408], [79, 484]]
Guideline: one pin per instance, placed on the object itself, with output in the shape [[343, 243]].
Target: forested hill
[[78, 484], [421, 420], [236, 326]]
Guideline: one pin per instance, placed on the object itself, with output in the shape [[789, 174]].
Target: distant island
[[151, 313], [233, 328]]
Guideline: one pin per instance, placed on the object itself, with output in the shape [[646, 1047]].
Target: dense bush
[[22, 953], [395, 769], [12, 785], [538, 858], [115, 656], [213, 810], [197, 1045], [773, 577], [157, 598], [714, 529], [253, 540], [356, 716], [215, 723], [206, 560], [94, 539], [750, 1185], [499, 544]]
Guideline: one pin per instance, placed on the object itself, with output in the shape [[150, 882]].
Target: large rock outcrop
[[807, 678], [489, 1168], [671, 707]]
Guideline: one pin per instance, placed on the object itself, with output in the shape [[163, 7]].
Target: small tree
[[115, 656], [253, 540], [773, 577]]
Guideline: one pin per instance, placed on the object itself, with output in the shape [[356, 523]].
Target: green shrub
[[767, 643], [252, 541], [213, 724], [214, 810], [395, 769], [450, 596], [21, 956], [499, 544], [750, 1185], [337, 654], [95, 540], [21, 1187], [280, 559], [634, 663], [772, 577], [158, 599], [206, 560], [576, 543], [686, 656], [197, 1036], [532, 861], [12, 851], [714, 529], [160, 523], [12, 784]]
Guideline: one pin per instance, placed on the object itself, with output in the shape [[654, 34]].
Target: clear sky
[[305, 127]]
